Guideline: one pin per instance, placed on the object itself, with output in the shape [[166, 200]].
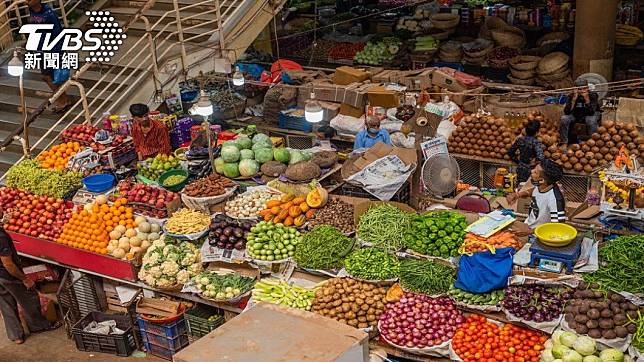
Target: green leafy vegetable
[[324, 247], [621, 265]]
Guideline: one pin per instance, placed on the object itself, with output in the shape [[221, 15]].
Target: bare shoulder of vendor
[[547, 204]]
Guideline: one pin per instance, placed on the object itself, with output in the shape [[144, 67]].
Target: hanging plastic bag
[[485, 271], [60, 76]]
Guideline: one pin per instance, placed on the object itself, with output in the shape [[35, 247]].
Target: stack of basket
[[522, 69], [552, 68], [476, 51], [445, 21], [508, 36], [450, 51]]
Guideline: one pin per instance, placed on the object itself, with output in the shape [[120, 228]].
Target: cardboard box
[[378, 96], [349, 110], [461, 98], [583, 211], [444, 80], [330, 110], [379, 150], [346, 75], [278, 333], [392, 76], [417, 80], [354, 94]]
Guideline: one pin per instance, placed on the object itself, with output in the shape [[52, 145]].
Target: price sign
[[433, 147]]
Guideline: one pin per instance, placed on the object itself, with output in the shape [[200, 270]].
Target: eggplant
[[221, 244], [238, 232], [228, 231], [223, 238], [233, 239], [239, 245], [229, 246]]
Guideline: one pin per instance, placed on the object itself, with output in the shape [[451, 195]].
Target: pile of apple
[[147, 200], [84, 134], [37, 216]]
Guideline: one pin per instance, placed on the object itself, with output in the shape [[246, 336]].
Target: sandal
[[63, 109]]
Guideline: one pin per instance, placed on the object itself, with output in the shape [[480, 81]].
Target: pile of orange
[[89, 227], [58, 156]]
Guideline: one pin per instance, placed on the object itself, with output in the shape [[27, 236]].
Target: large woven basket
[[555, 76], [509, 37], [518, 81], [554, 37], [444, 20], [478, 48], [524, 62], [552, 62], [522, 74], [474, 60]]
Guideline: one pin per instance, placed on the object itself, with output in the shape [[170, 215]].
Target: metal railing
[[142, 58]]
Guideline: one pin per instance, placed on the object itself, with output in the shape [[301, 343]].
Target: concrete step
[[16, 148], [122, 14], [10, 121], [167, 5], [88, 78], [37, 88], [8, 159]]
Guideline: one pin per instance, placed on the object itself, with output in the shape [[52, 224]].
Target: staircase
[[130, 76]]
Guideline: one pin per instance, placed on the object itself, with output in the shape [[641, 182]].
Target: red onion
[[418, 321]]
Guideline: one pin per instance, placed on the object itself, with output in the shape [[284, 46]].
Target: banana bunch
[[628, 35]]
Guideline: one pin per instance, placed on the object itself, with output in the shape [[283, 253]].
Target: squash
[[283, 214], [317, 197], [298, 200], [294, 211], [275, 210], [272, 203], [299, 221], [286, 206], [265, 212], [304, 207], [268, 217], [288, 221], [287, 198]]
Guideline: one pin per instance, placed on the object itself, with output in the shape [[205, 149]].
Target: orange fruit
[[123, 201], [123, 222]]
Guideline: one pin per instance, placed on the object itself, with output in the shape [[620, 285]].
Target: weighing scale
[[553, 259]]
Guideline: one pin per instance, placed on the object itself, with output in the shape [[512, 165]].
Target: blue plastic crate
[[170, 330], [164, 342], [165, 353], [289, 121]]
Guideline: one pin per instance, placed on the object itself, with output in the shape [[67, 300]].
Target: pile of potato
[[491, 137]]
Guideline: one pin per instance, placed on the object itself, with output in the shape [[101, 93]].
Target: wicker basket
[[554, 38], [509, 37], [552, 62], [555, 76], [522, 74], [524, 62], [439, 34], [473, 60], [518, 81], [478, 48], [445, 21]]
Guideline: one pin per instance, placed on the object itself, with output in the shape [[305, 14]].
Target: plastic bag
[[60, 76], [485, 271], [347, 125]]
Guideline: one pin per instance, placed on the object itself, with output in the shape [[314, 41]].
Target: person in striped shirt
[[548, 204], [150, 137]]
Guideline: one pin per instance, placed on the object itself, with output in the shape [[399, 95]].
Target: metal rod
[[184, 56], [83, 96], [61, 4], [23, 103], [222, 43]]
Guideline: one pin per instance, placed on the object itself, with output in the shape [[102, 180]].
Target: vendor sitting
[[372, 135], [547, 204], [150, 137], [530, 151], [582, 106]]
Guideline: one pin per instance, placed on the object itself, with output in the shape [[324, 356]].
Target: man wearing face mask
[[372, 135]]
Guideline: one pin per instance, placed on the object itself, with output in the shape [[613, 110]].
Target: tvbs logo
[[99, 42]]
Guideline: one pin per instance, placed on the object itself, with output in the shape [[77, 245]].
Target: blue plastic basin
[[99, 183]]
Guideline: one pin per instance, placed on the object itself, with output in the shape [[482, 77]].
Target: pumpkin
[[294, 211], [317, 197], [299, 221]]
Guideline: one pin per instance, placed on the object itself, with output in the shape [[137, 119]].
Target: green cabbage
[[585, 346], [559, 350], [247, 154], [219, 165], [611, 355], [282, 155], [230, 153], [592, 359], [243, 142], [231, 169], [556, 337], [296, 156], [261, 138], [572, 356], [257, 146], [568, 338], [248, 167], [546, 356], [263, 155]]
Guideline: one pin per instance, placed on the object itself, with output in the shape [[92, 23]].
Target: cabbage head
[[230, 154], [585, 346]]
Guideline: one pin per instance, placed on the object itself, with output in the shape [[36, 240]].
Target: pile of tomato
[[480, 340]]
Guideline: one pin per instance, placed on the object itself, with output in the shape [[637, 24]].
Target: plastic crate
[[118, 344], [170, 330], [198, 323], [289, 121], [167, 343], [165, 353]]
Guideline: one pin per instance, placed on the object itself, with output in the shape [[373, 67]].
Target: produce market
[[376, 180]]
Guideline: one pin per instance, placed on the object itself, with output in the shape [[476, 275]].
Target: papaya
[[317, 197], [294, 211], [272, 203]]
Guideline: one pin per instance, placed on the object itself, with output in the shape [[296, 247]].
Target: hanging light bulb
[[313, 112], [203, 106], [15, 66], [238, 78]]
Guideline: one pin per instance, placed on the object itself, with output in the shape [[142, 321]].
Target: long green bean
[[621, 265], [426, 276], [384, 226], [324, 247], [638, 336]]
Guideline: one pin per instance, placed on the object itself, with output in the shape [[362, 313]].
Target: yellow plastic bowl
[[555, 234]]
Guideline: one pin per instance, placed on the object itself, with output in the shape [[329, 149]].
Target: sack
[[60, 76], [485, 271]]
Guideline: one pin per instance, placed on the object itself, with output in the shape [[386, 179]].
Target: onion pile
[[600, 149], [418, 321], [536, 303], [489, 136]]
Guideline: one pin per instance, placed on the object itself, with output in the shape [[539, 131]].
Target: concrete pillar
[[594, 37]]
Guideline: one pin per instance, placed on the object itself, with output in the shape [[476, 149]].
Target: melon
[[135, 241], [144, 227], [115, 235], [130, 233], [155, 228], [142, 236], [101, 200], [153, 236]]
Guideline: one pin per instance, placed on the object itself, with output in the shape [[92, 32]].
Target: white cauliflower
[[154, 259], [183, 276], [164, 283], [167, 249], [156, 271], [174, 256], [143, 274], [158, 243], [188, 260], [170, 267], [195, 269], [150, 280]]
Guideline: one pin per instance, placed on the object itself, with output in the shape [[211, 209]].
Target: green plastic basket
[[176, 187]]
